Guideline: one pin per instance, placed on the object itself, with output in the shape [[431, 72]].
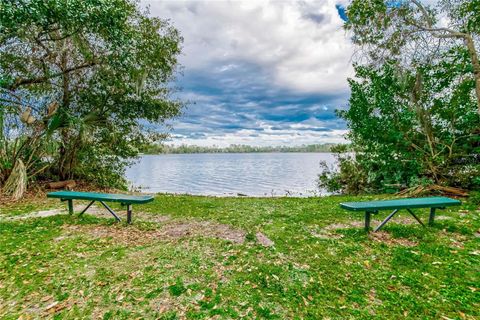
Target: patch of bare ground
[[385, 237], [171, 231], [454, 239], [443, 218], [165, 303], [37, 214], [325, 234], [101, 212], [36, 306], [94, 210], [361, 223], [263, 240]]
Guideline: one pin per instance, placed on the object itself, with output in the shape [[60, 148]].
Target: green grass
[[59, 267]]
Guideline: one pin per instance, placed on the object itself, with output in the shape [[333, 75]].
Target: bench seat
[[431, 202], [372, 207], [124, 199]]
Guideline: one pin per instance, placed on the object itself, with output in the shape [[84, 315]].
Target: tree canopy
[[413, 113], [83, 77]]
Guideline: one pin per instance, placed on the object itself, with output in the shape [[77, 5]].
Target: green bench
[[373, 207], [124, 199]]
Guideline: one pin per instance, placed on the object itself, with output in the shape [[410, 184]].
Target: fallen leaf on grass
[[305, 302], [55, 307]]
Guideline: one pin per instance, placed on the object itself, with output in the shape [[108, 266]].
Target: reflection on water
[[253, 174]]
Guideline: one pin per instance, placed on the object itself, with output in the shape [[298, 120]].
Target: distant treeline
[[234, 148]]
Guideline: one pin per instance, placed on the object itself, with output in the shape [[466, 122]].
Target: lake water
[[222, 174]]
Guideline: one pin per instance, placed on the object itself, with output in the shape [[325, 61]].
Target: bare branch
[[20, 82]]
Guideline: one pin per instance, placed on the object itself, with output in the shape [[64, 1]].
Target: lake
[[224, 174]]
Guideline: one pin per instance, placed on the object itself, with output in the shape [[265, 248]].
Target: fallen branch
[[68, 184], [433, 188]]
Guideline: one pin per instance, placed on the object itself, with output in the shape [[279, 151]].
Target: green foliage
[[155, 148], [178, 288], [92, 73], [348, 177], [474, 198], [405, 142], [413, 115]]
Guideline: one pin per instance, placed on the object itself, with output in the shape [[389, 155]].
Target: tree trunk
[[16, 184], [476, 66], [425, 121]]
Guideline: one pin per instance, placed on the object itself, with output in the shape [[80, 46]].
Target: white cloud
[[265, 138], [260, 72], [301, 44]]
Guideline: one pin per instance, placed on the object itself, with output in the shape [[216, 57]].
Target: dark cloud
[[260, 72], [238, 96], [316, 17]]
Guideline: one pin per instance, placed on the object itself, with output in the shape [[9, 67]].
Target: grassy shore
[[203, 257]]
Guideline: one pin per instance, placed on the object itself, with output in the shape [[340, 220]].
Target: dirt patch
[[97, 211], [326, 234], [263, 240], [101, 212], [38, 214], [455, 240], [133, 236], [385, 237], [443, 218], [204, 228], [339, 226], [151, 217], [53, 212], [361, 223]]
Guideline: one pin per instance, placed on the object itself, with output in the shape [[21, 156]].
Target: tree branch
[[21, 82]]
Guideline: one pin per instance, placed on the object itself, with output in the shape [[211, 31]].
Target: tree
[[409, 128], [94, 72], [414, 110], [415, 33]]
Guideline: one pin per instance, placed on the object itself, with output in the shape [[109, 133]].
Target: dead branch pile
[[433, 188]]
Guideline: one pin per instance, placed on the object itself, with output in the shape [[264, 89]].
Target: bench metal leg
[[110, 210], [384, 222], [368, 216], [413, 214], [86, 208], [70, 206], [129, 213], [431, 218]]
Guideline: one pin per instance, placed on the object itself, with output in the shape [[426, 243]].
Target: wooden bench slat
[[95, 196], [431, 202]]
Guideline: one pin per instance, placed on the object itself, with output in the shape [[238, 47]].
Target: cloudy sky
[[260, 72]]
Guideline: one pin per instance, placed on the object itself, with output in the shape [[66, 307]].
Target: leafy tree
[[409, 128], [411, 32], [90, 74], [414, 113]]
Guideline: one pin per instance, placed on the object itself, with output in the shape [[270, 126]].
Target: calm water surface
[[253, 174]]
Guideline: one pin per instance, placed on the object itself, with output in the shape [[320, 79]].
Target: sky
[[262, 73]]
